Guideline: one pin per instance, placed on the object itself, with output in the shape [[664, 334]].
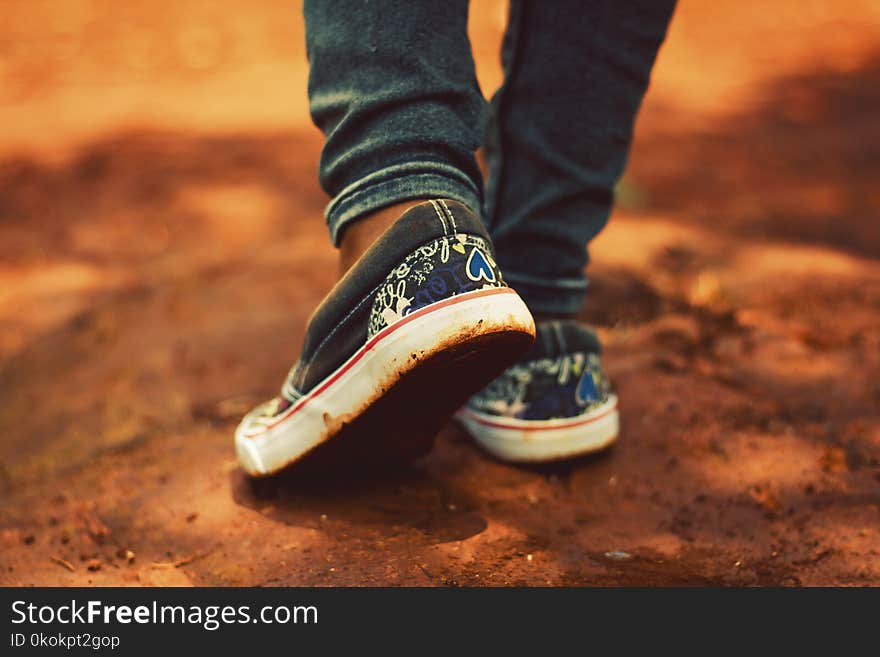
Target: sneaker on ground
[[555, 403]]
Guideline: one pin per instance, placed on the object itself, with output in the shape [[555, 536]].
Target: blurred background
[[162, 244]]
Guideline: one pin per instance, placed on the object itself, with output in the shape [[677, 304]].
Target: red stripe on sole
[[502, 425], [376, 339]]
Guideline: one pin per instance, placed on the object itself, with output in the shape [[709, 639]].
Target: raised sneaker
[[420, 323]]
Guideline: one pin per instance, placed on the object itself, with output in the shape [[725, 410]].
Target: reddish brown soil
[[161, 246]]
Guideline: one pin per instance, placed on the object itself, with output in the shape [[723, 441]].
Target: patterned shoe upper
[[447, 266], [436, 250], [560, 377]]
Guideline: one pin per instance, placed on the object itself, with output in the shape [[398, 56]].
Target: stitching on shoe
[[440, 217], [450, 215], [342, 321]]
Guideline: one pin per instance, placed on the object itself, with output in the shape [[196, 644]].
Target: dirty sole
[[387, 401]]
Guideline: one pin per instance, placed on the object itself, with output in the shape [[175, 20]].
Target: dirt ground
[[162, 244]]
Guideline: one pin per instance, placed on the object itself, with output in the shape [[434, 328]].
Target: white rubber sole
[[524, 441], [264, 448]]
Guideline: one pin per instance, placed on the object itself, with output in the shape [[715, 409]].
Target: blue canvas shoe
[[555, 403], [420, 323]]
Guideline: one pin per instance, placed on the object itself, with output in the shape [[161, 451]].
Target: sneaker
[[556, 403], [420, 323]]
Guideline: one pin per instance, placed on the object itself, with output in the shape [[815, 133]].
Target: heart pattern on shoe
[[478, 268], [586, 389]]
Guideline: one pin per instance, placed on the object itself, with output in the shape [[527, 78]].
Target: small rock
[[618, 555]]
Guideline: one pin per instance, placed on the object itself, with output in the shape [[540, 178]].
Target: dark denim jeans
[[392, 86]]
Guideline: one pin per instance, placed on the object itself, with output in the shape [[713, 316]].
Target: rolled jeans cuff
[[548, 296], [397, 183]]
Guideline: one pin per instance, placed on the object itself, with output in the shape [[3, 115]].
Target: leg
[[421, 318], [575, 73], [561, 126], [392, 86]]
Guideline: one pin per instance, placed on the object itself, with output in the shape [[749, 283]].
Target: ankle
[[359, 235]]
